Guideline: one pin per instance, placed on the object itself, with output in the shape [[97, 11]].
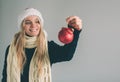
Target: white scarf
[[13, 71]]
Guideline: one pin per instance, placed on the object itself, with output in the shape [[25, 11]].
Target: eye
[[28, 22], [37, 21]]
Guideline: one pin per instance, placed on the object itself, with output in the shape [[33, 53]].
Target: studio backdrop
[[97, 57]]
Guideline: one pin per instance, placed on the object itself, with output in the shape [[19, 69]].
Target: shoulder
[[7, 49], [52, 43]]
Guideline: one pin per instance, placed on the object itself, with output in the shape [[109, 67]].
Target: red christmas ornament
[[66, 35]]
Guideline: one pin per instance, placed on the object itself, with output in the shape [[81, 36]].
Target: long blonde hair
[[41, 57]]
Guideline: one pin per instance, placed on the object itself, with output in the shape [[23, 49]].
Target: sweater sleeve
[[59, 53], [4, 72]]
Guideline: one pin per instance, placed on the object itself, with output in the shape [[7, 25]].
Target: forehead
[[32, 17]]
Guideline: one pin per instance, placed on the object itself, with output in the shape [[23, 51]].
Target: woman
[[30, 56]]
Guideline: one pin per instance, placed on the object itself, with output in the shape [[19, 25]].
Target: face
[[31, 25]]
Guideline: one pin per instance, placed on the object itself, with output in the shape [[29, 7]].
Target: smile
[[33, 30]]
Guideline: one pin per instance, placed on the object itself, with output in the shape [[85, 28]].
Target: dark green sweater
[[57, 53]]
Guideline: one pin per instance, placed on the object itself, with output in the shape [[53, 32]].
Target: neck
[[30, 42]]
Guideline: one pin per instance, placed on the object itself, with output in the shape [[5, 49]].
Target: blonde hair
[[41, 55]]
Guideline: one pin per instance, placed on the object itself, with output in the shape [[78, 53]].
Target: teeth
[[33, 30]]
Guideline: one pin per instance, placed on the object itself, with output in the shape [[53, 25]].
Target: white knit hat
[[28, 12]]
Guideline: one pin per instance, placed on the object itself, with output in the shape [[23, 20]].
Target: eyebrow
[[27, 20], [30, 20]]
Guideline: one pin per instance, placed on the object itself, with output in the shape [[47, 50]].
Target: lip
[[33, 30]]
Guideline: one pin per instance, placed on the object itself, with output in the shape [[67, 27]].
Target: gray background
[[97, 57]]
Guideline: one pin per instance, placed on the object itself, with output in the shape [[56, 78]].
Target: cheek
[[26, 29], [39, 27]]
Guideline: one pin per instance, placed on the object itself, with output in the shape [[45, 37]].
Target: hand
[[75, 22]]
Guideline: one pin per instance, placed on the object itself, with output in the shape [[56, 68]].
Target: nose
[[33, 25]]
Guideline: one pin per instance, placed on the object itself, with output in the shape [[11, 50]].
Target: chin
[[32, 35], [35, 35]]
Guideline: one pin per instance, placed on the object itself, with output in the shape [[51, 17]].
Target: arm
[[4, 73], [59, 53]]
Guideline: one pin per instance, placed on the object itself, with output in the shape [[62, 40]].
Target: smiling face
[[31, 25]]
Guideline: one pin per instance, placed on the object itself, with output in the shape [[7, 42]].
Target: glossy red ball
[[66, 35]]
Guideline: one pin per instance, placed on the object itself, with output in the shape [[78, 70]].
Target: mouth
[[33, 30]]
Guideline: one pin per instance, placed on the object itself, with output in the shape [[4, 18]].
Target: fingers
[[72, 18], [75, 22]]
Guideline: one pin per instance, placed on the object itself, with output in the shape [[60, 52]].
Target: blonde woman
[[30, 56]]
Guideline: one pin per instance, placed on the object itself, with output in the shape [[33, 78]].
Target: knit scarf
[[13, 70]]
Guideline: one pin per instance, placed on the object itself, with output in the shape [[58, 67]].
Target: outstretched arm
[[59, 53]]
